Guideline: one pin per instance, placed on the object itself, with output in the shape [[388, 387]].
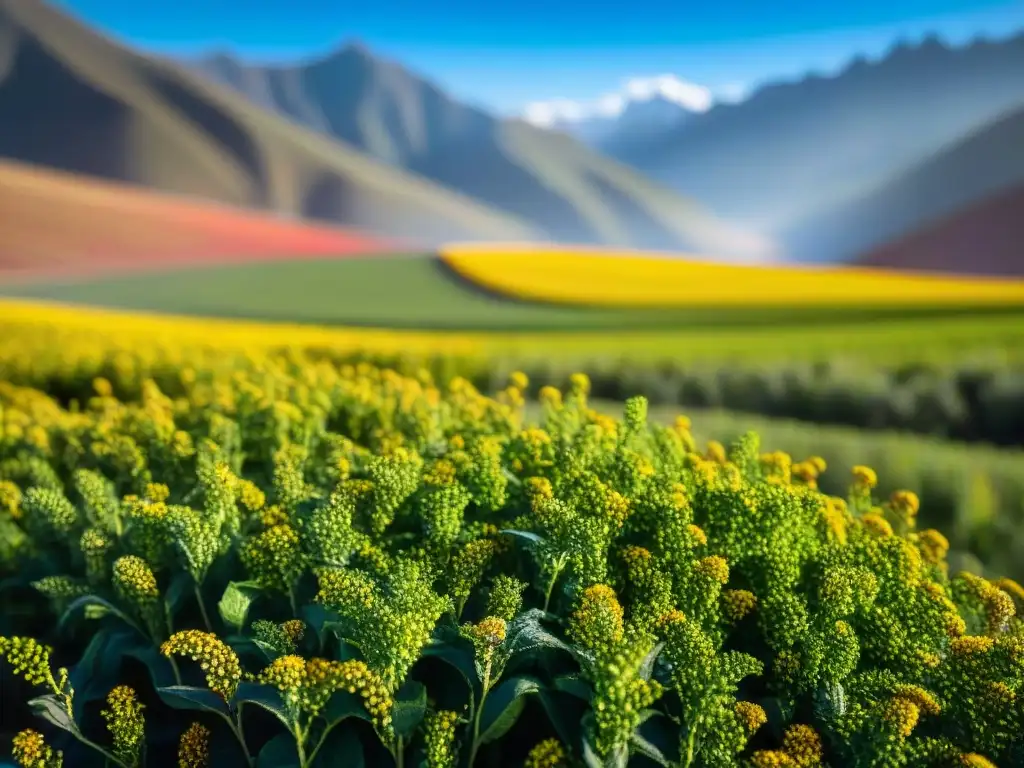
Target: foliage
[[295, 561]]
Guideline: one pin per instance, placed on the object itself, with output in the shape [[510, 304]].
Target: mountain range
[[832, 168], [569, 191], [360, 141], [792, 148]]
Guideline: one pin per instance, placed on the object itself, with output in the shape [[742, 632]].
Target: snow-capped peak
[[688, 97]]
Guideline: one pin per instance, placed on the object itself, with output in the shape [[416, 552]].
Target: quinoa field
[[357, 506], [268, 558]]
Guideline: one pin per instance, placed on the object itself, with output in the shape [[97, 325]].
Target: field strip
[[877, 342], [629, 279]]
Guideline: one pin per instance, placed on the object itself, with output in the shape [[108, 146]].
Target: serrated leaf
[[529, 536], [279, 752], [265, 696], [190, 697], [503, 706], [233, 606], [409, 708], [50, 709]]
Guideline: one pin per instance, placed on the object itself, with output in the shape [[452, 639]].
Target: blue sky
[[504, 55]]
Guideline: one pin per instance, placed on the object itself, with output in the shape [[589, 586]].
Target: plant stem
[[236, 728], [202, 608], [174, 668], [291, 601], [555, 573], [107, 756], [690, 744], [479, 711], [322, 741], [300, 745]]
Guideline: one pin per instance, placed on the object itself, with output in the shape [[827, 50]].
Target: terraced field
[[56, 225], [81, 242]]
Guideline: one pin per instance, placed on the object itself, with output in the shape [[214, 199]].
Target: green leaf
[[529, 536], [51, 709], [265, 696], [566, 714], [98, 669], [234, 603], [503, 706], [619, 758], [342, 705], [268, 650], [179, 589], [161, 671], [641, 746], [94, 607], [657, 735], [189, 697], [279, 752], [458, 656], [647, 665], [574, 685], [410, 706], [526, 633], [342, 750]]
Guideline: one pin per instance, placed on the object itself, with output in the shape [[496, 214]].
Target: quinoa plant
[[294, 563]]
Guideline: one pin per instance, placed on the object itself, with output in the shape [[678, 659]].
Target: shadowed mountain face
[[74, 100], [795, 148], [986, 238], [554, 182], [978, 168]]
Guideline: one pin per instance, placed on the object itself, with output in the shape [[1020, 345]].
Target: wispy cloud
[[691, 96]]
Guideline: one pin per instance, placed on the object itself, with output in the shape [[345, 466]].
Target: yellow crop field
[[36, 335], [628, 279]]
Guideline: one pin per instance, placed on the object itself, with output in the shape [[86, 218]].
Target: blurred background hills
[[864, 165]]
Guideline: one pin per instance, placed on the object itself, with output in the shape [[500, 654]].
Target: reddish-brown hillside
[[985, 239], [60, 223]]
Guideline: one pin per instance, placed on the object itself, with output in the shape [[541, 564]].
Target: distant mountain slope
[[554, 182], [793, 148], [75, 100], [986, 238], [983, 165], [56, 224]]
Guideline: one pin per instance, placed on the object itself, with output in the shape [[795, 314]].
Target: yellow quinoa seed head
[[876, 525], [803, 745], [547, 754], [901, 714], [218, 660], [864, 477], [751, 715], [194, 747], [974, 760]]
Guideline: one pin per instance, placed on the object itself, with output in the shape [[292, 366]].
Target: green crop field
[[417, 291]]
